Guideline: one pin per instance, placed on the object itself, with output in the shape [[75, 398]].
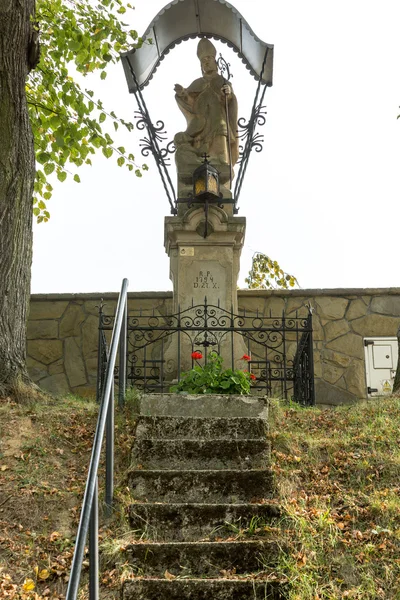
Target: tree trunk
[[17, 171], [396, 384]]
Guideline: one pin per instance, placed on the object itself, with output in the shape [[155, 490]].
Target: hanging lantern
[[206, 183]]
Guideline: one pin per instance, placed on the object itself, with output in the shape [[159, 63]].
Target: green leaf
[[108, 152], [77, 178], [49, 168], [61, 176], [120, 161], [43, 157], [103, 75], [102, 117]]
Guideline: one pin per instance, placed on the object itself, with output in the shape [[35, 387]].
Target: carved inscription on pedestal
[[206, 280]]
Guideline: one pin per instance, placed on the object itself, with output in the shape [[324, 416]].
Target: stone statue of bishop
[[211, 112]]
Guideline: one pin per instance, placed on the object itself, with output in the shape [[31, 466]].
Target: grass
[[338, 474], [44, 456]]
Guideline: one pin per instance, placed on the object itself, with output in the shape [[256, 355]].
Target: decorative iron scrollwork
[[155, 135], [250, 140], [159, 134], [224, 68], [280, 347]]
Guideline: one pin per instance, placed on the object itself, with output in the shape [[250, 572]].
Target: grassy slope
[[339, 478], [338, 473], [44, 455]]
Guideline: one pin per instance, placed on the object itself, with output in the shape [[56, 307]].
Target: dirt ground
[[44, 457]]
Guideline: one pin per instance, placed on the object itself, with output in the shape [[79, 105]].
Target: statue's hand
[[179, 90], [227, 90], [182, 138]]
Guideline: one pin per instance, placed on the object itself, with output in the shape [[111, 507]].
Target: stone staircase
[[199, 476]]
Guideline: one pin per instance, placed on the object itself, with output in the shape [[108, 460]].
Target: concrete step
[[201, 427], [193, 522], [214, 487], [201, 454], [201, 559], [201, 589], [212, 405]]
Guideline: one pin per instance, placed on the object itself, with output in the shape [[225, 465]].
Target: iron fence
[[159, 348]]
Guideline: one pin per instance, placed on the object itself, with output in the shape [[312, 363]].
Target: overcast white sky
[[323, 196]]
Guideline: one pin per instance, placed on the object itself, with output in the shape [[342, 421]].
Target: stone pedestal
[[205, 268]]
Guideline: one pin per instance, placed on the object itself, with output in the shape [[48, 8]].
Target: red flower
[[252, 376], [197, 355], [246, 357]]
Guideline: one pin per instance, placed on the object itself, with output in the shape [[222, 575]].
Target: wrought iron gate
[[160, 347]]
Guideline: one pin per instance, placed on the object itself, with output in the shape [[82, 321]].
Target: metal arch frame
[[156, 134], [248, 135]]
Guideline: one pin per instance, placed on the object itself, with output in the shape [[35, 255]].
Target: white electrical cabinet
[[380, 364]]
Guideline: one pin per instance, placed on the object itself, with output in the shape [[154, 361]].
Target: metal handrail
[[89, 513]]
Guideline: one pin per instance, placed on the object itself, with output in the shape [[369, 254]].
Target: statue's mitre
[[206, 48]]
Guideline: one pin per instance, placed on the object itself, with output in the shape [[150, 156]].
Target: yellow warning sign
[[386, 387]]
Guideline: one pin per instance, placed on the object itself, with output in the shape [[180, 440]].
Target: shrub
[[213, 379]]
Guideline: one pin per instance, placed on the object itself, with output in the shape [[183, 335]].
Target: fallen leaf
[[4, 467], [169, 576], [44, 574], [28, 585]]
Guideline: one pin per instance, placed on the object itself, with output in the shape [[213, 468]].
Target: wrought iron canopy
[[184, 19]]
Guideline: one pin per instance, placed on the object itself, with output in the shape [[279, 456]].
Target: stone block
[[318, 369], [367, 300], [70, 324], [45, 309], [386, 305], [45, 351], [275, 305], [334, 329], [90, 337], [356, 309], [331, 307], [331, 373], [376, 325], [74, 365], [57, 367], [251, 305], [91, 307], [297, 303], [341, 360], [325, 393], [91, 366], [55, 384], [350, 344], [43, 329], [318, 331], [355, 379], [36, 369]]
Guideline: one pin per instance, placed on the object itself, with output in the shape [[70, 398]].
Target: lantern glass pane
[[212, 184], [199, 185]]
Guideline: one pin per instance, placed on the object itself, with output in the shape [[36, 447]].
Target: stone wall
[[63, 337], [341, 320], [63, 333]]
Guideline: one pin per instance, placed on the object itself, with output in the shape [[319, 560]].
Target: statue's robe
[[204, 107]]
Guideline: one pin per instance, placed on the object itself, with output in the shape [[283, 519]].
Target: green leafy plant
[[77, 40], [266, 273], [211, 378]]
